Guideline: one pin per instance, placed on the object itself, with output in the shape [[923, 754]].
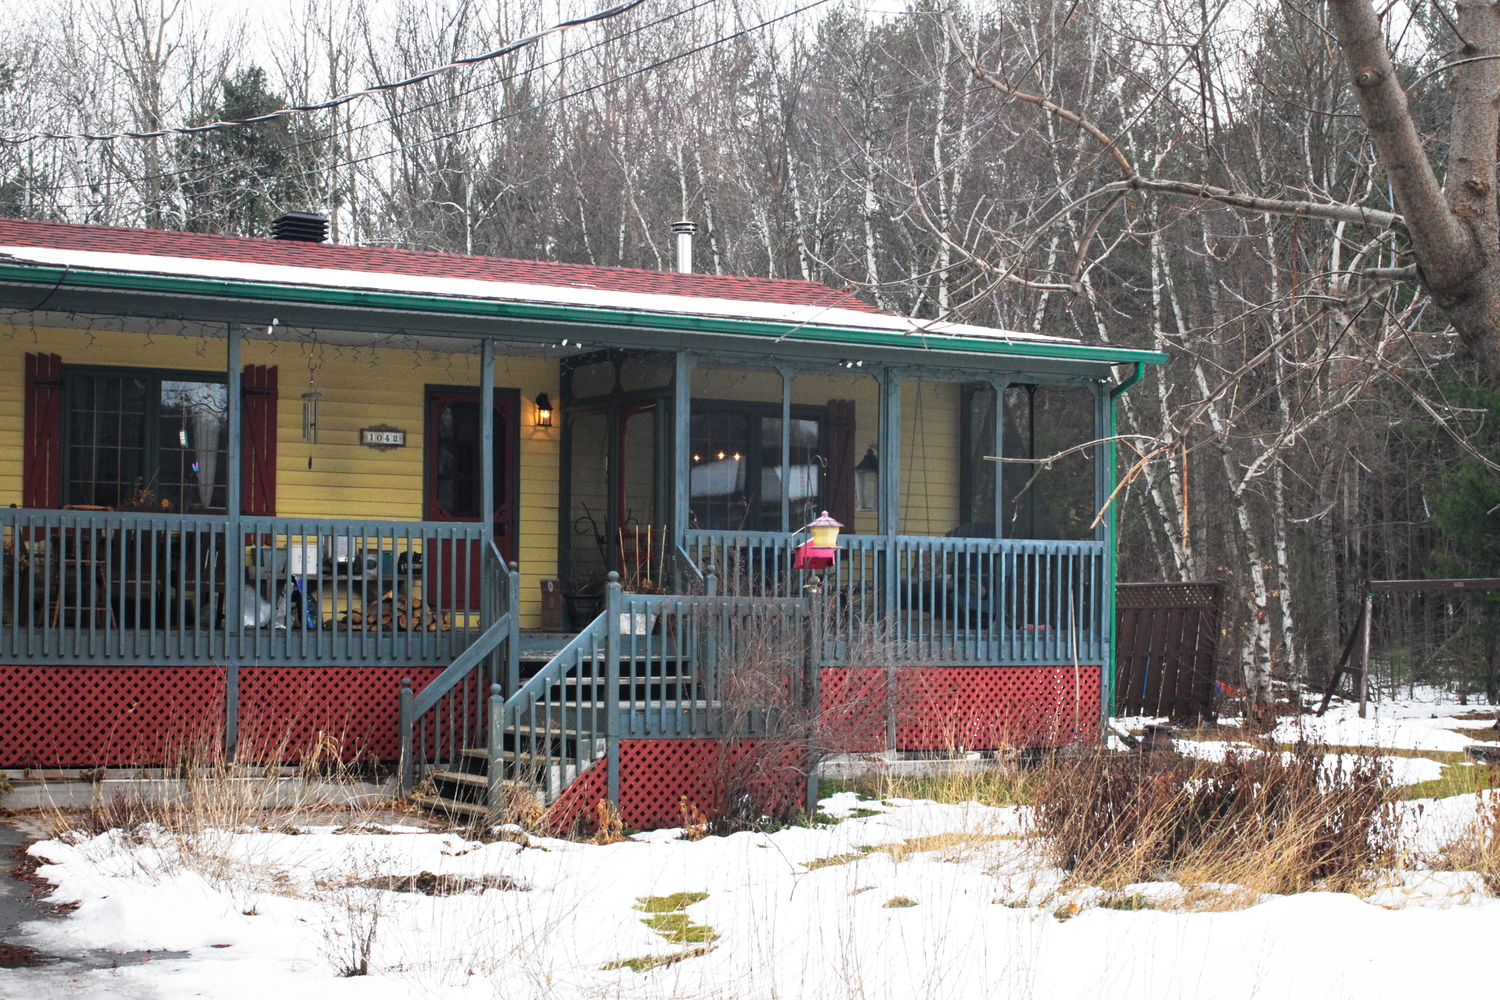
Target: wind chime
[[310, 413]]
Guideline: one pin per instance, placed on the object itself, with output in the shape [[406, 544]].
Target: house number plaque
[[382, 437]]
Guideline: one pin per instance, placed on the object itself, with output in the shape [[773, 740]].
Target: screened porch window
[[142, 440], [736, 478]]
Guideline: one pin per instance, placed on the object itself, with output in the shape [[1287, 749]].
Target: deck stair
[[649, 667], [543, 760]]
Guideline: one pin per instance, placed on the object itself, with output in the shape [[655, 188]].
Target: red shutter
[[258, 452], [42, 451], [841, 432]]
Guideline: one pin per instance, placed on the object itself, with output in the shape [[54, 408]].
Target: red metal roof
[[162, 243]]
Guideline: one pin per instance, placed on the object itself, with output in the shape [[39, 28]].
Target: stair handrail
[[503, 626], [504, 715]]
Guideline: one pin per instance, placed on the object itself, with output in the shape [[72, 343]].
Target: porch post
[[1104, 485], [682, 444], [487, 439], [234, 549], [786, 447], [890, 524], [999, 445]]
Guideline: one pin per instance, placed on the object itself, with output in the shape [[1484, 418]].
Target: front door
[[454, 472]]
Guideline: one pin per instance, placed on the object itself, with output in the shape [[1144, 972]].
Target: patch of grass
[[898, 903], [829, 862], [679, 928], [956, 844], [1067, 911], [646, 963], [669, 904], [1135, 901], [1004, 785], [1456, 780]]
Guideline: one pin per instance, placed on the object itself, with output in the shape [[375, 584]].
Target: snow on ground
[[1400, 770], [799, 913], [785, 929], [1395, 725]]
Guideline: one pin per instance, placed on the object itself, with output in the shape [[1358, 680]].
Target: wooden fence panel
[[1168, 639]]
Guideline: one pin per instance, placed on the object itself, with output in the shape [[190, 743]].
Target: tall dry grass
[[1267, 821]]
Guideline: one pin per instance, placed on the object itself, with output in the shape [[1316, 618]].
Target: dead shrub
[[1270, 821], [1478, 848]]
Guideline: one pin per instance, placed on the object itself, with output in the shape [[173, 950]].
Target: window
[[143, 440], [736, 479]]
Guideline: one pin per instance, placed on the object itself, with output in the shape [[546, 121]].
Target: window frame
[[151, 464], [757, 411]]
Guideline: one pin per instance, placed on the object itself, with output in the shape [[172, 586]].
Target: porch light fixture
[[822, 550], [867, 482], [543, 410]]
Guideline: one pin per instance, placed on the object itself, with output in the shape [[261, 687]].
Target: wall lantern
[[543, 410], [867, 482], [822, 550]]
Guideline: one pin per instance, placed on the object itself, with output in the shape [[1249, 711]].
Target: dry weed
[[1264, 822], [1478, 848], [608, 827]]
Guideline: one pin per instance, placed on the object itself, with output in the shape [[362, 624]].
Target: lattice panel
[[283, 709], [1166, 595], [972, 708], [96, 716], [715, 776], [576, 808]]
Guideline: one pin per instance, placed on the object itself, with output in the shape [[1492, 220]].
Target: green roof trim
[[66, 277]]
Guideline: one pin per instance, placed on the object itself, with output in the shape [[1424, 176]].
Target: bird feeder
[[822, 550]]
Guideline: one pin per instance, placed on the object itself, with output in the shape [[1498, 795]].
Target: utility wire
[[205, 171], [603, 15], [564, 97]]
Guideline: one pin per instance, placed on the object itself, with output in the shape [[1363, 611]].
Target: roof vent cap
[[304, 227]]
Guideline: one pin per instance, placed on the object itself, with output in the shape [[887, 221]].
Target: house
[[496, 520]]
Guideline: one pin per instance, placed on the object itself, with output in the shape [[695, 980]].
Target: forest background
[[1319, 423]]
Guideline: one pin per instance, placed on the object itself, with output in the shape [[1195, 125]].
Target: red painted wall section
[[123, 716], [660, 779], [968, 708]]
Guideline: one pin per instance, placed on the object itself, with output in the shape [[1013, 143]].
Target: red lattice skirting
[[94, 716], [969, 708], [660, 779]]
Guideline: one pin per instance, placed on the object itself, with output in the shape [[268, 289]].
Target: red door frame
[[507, 474]]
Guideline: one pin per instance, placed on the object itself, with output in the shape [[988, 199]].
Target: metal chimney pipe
[[684, 230]]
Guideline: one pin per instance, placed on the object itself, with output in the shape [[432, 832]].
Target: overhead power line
[[568, 96], [205, 171], [353, 95]]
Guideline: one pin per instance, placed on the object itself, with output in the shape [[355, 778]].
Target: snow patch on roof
[[503, 291]]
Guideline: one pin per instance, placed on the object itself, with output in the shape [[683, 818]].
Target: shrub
[[1267, 820]]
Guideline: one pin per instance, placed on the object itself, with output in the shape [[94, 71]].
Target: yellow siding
[[360, 387], [929, 456]]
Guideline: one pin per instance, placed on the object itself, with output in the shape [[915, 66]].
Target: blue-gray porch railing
[[953, 601], [79, 587], [451, 713], [654, 667]]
